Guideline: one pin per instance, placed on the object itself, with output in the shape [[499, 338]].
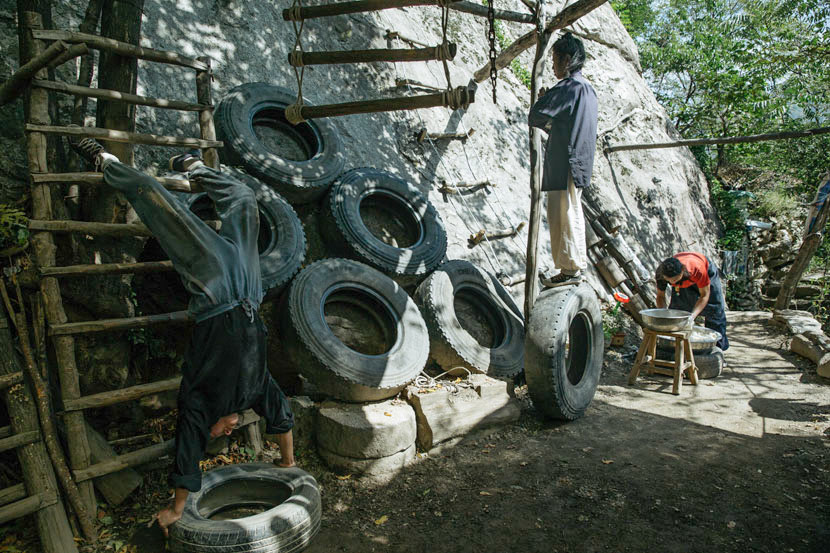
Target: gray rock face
[[662, 194]]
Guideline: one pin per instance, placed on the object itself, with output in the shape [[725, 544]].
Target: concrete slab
[[442, 414], [365, 431]]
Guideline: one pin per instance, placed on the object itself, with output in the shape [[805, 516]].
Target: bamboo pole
[[107, 269], [385, 104], [564, 18], [722, 140], [42, 402], [119, 96], [356, 6], [481, 10], [432, 53], [121, 395], [125, 136], [74, 51], [206, 128], [108, 325], [531, 279], [121, 48], [88, 177], [16, 84], [132, 459], [44, 249]]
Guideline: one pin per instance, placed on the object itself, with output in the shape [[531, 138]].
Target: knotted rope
[[294, 112]]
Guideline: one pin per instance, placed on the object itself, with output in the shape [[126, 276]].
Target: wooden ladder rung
[[10, 380], [298, 59], [12, 493], [383, 104], [356, 6], [121, 48], [124, 136], [119, 96], [120, 396], [86, 177], [107, 269], [134, 458], [18, 440], [107, 325], [101, 229], [5, 431], [27, 506]]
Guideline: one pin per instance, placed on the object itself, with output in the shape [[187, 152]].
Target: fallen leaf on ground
[[731, 524], [381, 520], [387, 414], [484, 493], [224, 459], [523, 463], [607, 461], [343, 477]]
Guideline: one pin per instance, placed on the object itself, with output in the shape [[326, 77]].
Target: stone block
[[382, 466], [365, 431], [442, 415]]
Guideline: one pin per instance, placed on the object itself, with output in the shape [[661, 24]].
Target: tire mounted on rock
[[353, 331], [473, 321], [288, 525], [252, 109], [709, 364], [563, 351], [281, 241], [414, 242]]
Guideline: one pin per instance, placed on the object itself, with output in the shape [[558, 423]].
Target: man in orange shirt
[[696, 287]]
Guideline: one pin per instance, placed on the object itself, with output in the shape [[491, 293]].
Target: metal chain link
[[491, 36]]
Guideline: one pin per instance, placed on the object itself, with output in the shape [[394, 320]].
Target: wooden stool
[[684, 359]]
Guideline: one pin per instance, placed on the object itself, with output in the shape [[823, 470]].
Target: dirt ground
[[738, 463]]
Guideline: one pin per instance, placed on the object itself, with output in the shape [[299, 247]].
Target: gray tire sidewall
[[450, 344], [336, 369], [709, 364], [296, 181], [344, 228], [546, 336], [285, 254], [666, 345], [294, 521]]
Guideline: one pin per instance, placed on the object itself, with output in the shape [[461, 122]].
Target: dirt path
[[739, 463]]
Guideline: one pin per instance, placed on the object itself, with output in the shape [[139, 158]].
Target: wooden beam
[[27, 506], [121, 48], [105, 229], [74, 51], [16, 84], [18, 440], [12, 493], [124, 394], [124, 136], [204, 95], [564, 18], [432, 53], [116, 95], [722, 140], [108, 325], [481, 10], [8, 380], [106, 269], [178, 185], [132, 459], [356, 6]]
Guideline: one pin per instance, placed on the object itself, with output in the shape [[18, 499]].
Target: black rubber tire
[[346, 232], [333, 367], [667, 345], [709, 365], [563, 351], [282, 242], [286, 527], [298, 181], [450, 344]]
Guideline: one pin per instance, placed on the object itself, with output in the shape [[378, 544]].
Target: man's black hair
[[572, 46], [670, 267]]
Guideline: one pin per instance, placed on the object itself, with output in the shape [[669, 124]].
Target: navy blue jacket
[[568, 113]]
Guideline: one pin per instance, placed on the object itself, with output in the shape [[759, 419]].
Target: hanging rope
[[294, 113], [491, 37], [445, 46]]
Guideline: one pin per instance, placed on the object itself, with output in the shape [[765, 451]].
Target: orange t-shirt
[[698, 268]]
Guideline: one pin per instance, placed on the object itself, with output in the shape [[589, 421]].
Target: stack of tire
[[367, 274]]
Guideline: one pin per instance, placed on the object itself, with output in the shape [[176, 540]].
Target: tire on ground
[[281, 240], [251, 115], [367, 202], [709, 365], [353, 331], [563, 351], [473, 321], [289, 525]]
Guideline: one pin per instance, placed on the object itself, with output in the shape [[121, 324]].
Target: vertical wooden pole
[[531, 276], [44, 247], [206, 128], [53, 525]]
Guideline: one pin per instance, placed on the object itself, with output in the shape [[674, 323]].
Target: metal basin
[[665, 320], [702, 339]]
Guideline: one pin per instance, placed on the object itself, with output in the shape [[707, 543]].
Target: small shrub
[[14, 228], [775, 202]]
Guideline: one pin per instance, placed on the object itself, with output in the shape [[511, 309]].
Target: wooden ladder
[[43, 225]]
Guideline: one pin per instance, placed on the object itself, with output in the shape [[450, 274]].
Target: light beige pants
[[567, 229]]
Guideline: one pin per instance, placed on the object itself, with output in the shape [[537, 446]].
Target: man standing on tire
[[568, 113], [225, 365], [696, 287]]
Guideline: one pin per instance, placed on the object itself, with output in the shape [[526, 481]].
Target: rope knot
[[294, 13], [295, 58], [294, 113]]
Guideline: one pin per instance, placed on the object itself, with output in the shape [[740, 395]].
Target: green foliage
[[612, 321], [14, 228], [521, 73], [775, 202], [732, 209], [635, 15]]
